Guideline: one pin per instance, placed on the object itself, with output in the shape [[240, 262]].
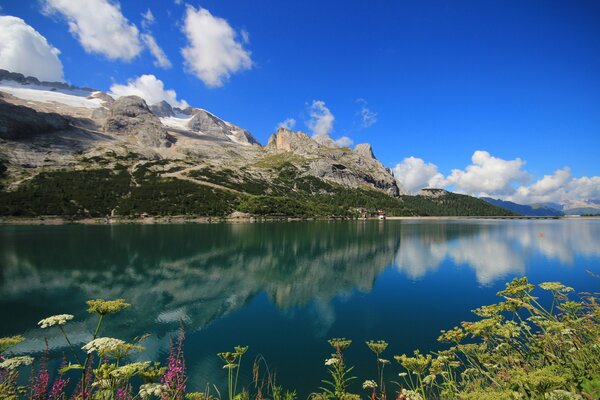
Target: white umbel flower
[[102, 345], [152, 389], [60, 319], [15, 362], [331, 361], [369, 384]]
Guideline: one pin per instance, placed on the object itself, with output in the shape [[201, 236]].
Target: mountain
[[79, 152], [523, 209], [581, 207]]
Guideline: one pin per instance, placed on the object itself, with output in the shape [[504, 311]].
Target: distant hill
[[537, 210]]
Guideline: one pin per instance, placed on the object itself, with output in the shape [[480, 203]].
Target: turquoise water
[[281, 288]]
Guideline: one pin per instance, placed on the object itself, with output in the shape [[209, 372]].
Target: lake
[[281, 288]]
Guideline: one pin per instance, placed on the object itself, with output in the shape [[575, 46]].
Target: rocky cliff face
[[353, 168], [131, 116]]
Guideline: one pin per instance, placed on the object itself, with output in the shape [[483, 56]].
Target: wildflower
[[383, 361], [104, 307], [102, 384], [60, 319], [151, 389], [15, 362], [240, 350], [417, 364], [332, 361], [402, 374], [556, 287], [429, 379], [57, 391], [411, 395], [454, 335], [519, 287], [369, 384], [228, 357], [128, 370], [378, 346], [10, 341], [340, 344], [102, 345]]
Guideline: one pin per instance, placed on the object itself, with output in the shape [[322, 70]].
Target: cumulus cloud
[[489, 175], [160, 58], [213, 52], [321, 125], [288, 123], [321, 119], [549, 188], [559, 187], [99, 26], [25, 50], [367, 117], [495, 177], [415, 174], [149, 88]]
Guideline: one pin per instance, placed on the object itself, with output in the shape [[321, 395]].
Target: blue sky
[[518, 81]]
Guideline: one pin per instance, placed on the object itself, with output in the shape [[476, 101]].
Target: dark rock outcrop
[[20, 122], [130, 115], [162, 109]]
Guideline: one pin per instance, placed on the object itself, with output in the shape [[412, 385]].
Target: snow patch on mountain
[[46, 94]]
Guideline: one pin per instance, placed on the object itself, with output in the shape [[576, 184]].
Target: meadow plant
[[514, 349]]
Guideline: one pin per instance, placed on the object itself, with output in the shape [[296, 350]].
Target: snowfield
[[45, 94]]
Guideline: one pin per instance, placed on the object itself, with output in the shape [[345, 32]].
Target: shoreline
[[173, 220]]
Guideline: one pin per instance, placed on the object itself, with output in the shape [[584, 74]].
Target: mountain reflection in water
[[201, 274]]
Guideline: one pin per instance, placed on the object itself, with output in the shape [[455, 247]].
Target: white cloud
[[321, 125], [288, 123], [24, 50], [321, 119], [367, 117], [488, 175], [415, 174], [150, 89], [160, 58], [99, 26], [147, 19], [213, 52], [344, 141], [550, 188], [559, 187], [585, 187], [498, 178]]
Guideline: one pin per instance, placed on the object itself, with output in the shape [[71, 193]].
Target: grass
[[517, 348]]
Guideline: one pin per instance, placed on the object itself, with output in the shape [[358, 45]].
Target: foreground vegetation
[[132, 192], [516, 349]]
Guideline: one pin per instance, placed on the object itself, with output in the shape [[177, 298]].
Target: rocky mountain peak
[[365, 150], [209, 124], [162, 109], [287, 140], [130, 115]]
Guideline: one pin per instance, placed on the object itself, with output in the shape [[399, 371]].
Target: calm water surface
[[281, 288]]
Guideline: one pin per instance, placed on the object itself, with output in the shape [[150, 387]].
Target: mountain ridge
[[86, 153]]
